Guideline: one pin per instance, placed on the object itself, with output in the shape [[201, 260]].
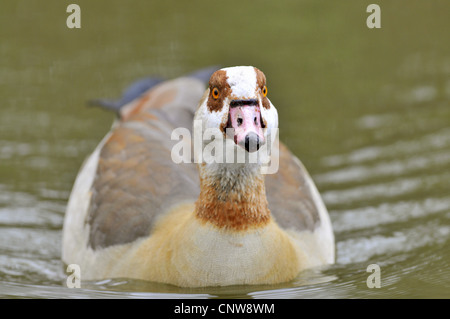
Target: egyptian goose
[[141, 210]]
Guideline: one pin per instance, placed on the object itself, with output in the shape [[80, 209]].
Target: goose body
[[136, 212]]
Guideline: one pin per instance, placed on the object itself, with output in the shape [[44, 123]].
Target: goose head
[[235, 113]]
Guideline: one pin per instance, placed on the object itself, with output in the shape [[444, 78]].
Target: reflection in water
[[367, 111]]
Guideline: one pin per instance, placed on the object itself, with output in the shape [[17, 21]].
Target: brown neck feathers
[[237, 203]]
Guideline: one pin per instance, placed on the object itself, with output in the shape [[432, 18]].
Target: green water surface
[[366, 110]]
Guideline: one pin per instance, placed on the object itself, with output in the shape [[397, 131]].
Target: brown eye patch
[[219, 89], [261, 85]]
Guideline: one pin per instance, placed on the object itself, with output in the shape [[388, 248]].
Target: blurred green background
[[366, 110]]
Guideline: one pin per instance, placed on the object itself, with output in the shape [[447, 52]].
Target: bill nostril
[[239, 121]]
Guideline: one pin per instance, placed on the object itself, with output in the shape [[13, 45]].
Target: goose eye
[[264, 91], [215, 93]]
